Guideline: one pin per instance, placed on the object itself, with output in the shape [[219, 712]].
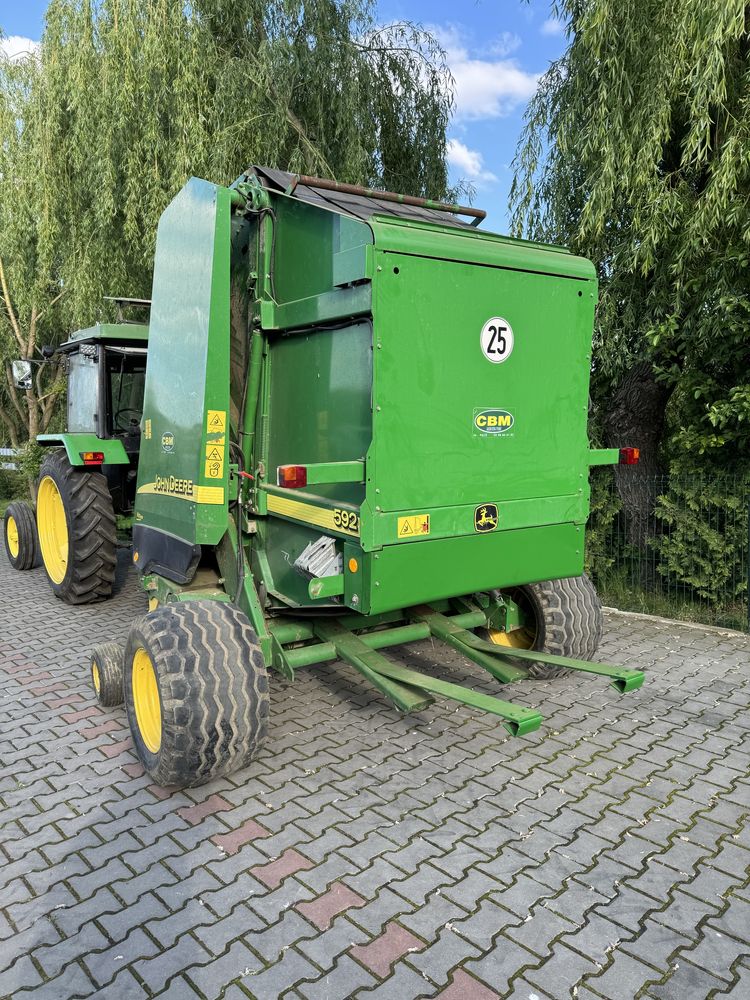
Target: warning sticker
[[216, 420], [214, 469], [414, 526]]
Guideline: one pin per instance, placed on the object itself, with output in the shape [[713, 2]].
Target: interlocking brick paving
[[367, 854]]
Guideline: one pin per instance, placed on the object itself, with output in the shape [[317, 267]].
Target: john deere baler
[[364, 424]]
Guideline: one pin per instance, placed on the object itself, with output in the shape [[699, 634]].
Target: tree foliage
[[636, 153], [127, 98]]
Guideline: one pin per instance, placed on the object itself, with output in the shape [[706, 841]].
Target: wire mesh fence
[[676, 546]]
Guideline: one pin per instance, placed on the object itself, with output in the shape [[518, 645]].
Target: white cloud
[[552, 26], [485, 87], [17, 47], [507, 42], [468, 162]]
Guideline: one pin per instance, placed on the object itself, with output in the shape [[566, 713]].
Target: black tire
[[212, 688], [567, 620], [19, 533], [87, 574], [107, 667]]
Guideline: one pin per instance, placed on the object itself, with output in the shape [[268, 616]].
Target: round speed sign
[[496, 340]]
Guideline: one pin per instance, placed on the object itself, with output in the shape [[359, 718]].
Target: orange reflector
[[92, 457], [291, 476], [629, 456], [353, 565]]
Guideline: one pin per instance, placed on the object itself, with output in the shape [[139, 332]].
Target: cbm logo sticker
[[493, 421], [486, 517], [167, 441]]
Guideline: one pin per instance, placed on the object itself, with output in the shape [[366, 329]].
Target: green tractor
[[87, 482]]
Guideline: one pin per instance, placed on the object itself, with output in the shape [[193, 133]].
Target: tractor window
[[83, 392], [126, 379]]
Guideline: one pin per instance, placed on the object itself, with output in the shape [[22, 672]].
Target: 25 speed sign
[[496, 340]]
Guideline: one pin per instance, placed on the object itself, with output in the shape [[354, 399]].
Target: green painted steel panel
[[319, 411], [432, 379], [184, 459], [402, 575], [474, 246]]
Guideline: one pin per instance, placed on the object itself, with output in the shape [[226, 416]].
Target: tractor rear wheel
[[563, 617], [77, 534], [19, 531], [106, 673], [196, 691]]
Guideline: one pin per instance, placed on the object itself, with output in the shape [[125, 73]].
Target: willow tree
[[126, 99], [636, 152]]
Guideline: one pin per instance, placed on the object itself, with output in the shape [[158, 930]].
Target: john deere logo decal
[[167, 441], [485, 517], [493, 421]]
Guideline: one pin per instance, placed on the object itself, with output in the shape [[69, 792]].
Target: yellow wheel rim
[[53, 529], [518, 638], [146, 700], [11, 529], [95, 677]]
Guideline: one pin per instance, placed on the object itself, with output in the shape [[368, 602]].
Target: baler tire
[[568, 618], [567, 621], [86, 573], [208, 687], [107, 667], [19, 534]]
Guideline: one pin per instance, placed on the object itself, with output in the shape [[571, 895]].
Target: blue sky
[[496, 51]]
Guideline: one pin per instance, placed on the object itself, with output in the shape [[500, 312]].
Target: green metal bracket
[[396, 681], [326, 586], [623, 680], [476, 649], [335, 472], [604, 456], [406, 697]]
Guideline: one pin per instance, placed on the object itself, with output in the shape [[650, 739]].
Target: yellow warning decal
[[337, 519], [183, 489], [414, 526], [214, 469], [216, 420]]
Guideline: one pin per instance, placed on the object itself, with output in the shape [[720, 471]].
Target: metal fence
[[676, 546], [5, 454]]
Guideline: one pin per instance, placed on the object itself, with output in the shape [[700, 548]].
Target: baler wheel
[[107, 662], [19, 531], [564, 617], [196, 691], [77, 534]]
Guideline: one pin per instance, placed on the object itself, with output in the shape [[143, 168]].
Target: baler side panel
[[184, 460]]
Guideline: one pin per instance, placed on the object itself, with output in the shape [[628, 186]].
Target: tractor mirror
[[22, 374]]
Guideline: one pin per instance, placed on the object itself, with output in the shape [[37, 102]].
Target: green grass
[[617, 592]]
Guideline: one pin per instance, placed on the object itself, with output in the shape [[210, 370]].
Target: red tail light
[[629, 456], [291, 476], [92, 457]]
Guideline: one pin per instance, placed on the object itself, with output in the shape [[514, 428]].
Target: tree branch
[[9, 308]]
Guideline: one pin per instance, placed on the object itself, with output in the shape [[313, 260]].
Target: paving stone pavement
[[371, 855]]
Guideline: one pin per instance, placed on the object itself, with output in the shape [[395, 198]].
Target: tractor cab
[[105, 367]]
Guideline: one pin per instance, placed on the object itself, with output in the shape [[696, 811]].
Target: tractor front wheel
[[77, 533], [106, 673], [563, 617], [196, 691], [19, 532]]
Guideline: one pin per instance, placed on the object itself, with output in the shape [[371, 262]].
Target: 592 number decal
[[346, 520]]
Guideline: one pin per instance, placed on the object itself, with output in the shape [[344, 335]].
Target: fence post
[[748, 564]]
